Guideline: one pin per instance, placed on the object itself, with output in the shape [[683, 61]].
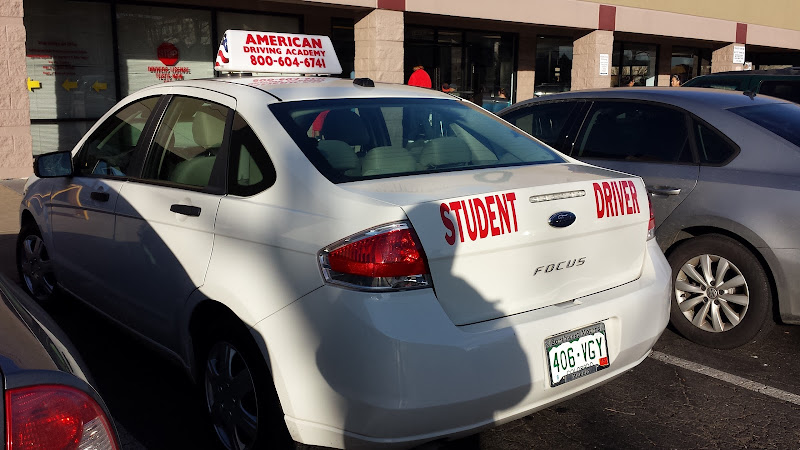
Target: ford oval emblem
[[561, 219]]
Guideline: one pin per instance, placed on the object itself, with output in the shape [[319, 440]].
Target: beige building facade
[[67, 62]]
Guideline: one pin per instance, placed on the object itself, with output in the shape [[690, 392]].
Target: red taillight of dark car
[[385, 258], [56, 417]]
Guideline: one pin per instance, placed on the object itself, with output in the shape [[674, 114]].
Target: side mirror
[[51, 165]]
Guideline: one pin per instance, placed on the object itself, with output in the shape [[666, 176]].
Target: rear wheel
[[722, 297], [241, 401], [34, 265]]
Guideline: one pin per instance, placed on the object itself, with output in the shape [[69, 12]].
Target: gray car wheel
[[34, 264], [722, 297]]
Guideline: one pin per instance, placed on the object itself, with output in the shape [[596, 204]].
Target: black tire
[[34, 265], [264, 426], [719, 318]]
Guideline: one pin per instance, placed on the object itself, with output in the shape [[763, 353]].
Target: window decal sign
[[169, 55], [267, 52]]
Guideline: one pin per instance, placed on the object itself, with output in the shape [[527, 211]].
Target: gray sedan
[[723, 171]]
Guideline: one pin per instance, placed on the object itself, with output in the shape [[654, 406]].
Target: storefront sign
[[604, 64], [265, 52], [738, 54]]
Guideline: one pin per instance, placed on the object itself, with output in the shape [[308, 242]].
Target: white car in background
[[396, 264]]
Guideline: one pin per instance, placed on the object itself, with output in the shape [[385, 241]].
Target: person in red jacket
[[420, 78]]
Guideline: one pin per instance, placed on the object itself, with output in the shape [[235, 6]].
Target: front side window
[[187, 142], [631, 131], [110, 149], [355, 139], [543, 120]]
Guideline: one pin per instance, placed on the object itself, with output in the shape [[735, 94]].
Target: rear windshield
[[357, 139], [782, 119]]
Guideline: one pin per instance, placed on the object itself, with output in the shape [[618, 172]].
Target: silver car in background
[[723, 171]]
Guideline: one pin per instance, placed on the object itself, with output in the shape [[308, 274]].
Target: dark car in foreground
[[723, 172], [781, 83], [48, 400]]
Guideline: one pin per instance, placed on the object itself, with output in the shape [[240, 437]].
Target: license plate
[[577, 353]]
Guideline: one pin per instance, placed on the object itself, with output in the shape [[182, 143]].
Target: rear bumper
[[363, 370]]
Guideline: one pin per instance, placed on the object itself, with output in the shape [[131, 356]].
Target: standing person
[[675, 81], [420, 77]]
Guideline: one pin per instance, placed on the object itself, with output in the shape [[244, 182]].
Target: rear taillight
[[55, 416], [388, 257], [651, 225]]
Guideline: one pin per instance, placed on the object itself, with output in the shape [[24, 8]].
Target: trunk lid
[[491, 248]]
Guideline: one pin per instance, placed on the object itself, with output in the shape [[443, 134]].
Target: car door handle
[[100, 196], [664, 190], [186, 210]]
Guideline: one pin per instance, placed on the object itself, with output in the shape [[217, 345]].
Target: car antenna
[[751, 94]]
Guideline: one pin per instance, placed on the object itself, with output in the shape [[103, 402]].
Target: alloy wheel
[[712, 293], [231, 397]]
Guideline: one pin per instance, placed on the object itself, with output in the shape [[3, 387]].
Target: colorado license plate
[[576, 353]]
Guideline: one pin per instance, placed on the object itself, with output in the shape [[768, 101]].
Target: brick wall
[[15, 129], [379, 46]]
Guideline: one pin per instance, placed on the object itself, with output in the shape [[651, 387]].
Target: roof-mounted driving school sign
[[266, 52]]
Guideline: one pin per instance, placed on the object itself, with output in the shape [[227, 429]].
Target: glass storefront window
[[633, 63], [478, 66], [553, 65], [256, 22], [688, 63], [343, 38], [74, 65], [162, 44]]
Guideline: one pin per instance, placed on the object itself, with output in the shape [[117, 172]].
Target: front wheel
[[722, 297], [34, 265]]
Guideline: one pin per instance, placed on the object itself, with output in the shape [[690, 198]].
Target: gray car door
[[646, 139]]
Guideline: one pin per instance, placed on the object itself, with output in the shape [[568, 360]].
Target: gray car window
[[633, 131], [713, 148], [545, 121], [782, 119]]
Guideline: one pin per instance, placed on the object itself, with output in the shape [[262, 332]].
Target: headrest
[[208, 127], [345, 125], [445, 151], [384, 160]]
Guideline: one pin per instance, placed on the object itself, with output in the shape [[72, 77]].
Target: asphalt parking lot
[[683, 396]]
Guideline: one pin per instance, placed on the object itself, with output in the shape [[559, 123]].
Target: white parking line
[[727, 377]]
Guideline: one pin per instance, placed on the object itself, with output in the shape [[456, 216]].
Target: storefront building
[[69, 61]]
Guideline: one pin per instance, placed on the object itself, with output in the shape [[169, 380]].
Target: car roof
[[693, 99], [295, 88]]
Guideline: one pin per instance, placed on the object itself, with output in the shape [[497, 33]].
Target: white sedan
[[346, 263]]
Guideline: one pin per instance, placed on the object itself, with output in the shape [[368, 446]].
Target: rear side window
[[545, 121], [110, 149], [785, 89], [632, 131], [713, 148], [355, 139], [782, 119], [251, 169]]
